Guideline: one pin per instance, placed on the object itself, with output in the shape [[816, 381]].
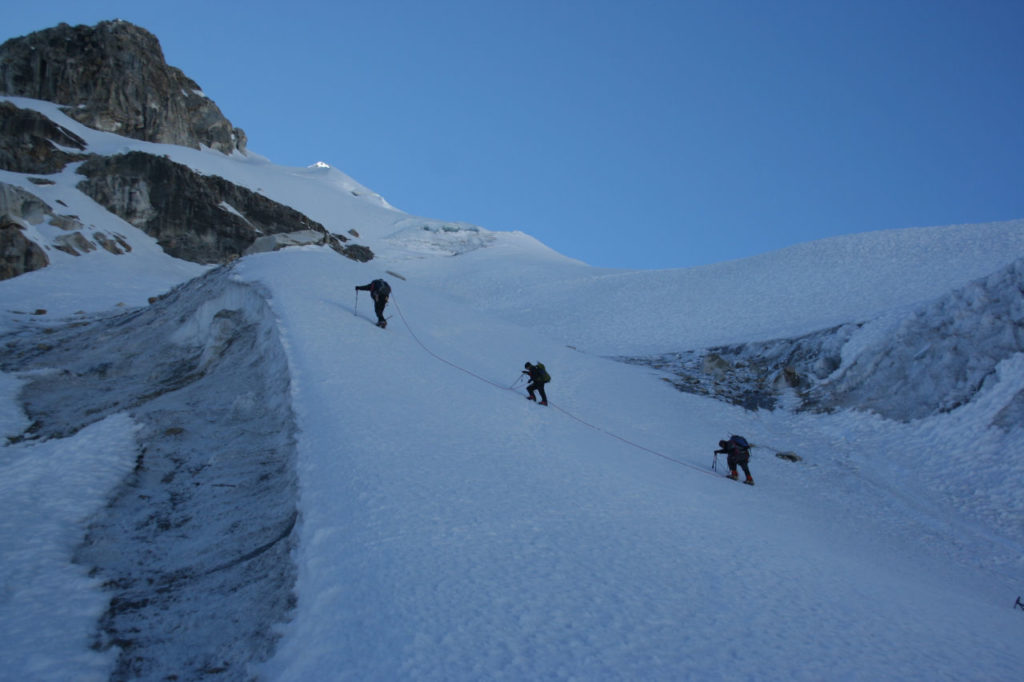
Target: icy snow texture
[[446, 528]]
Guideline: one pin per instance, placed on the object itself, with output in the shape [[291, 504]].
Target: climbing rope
[[445, 361], [560, 409], [635, 445]]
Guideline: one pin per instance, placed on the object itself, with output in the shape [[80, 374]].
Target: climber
[[738, 450], [379, 292], [538, 377]]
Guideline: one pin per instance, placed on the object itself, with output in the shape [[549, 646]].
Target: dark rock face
[[113, 77], [28, 142], [18, 255], [203, 219]]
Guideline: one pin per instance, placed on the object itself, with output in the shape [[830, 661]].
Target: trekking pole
[[355, 309], [714, 463]]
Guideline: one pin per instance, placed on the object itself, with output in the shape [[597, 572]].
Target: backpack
[[383, 289], [544, 376], [741, 444]]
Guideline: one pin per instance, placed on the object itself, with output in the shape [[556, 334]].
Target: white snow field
[[449, 529]]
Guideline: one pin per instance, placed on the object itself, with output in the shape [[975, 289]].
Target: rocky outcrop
[[276, 242], [200, 218], [17, 203], [32, 143], [18, 254], [113, 77]]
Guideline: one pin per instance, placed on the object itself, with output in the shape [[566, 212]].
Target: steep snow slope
[[449, 529]]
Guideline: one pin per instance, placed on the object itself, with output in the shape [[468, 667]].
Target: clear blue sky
[[646, 134]]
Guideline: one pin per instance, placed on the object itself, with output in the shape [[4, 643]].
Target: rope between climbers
[[438, 357], [560, 409]]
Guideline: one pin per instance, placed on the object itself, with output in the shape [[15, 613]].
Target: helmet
[[527, 366]]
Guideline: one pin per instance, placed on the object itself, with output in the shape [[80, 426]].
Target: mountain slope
[[456, 530], [446, 528]]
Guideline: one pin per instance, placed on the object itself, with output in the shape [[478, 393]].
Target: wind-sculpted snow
[[905, 365], [193, 545], [936, 358], [437, 238]]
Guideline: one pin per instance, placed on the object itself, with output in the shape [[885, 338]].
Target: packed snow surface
[[442, 527]]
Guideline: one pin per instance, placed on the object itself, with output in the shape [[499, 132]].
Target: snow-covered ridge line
[[325, 194], [195, 541]]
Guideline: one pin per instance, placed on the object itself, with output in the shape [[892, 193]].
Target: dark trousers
[[537, 386], [742, 461], [378, 307]]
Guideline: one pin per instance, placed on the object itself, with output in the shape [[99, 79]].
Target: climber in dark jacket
[[738, 451], [379, 292], [538, 377]]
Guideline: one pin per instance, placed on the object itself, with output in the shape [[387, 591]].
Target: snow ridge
[[194, 545]]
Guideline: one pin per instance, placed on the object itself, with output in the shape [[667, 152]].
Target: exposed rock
[[276, 242], [204, 219], [117, 245], [68, 223], [28, 142], [74, 244], [356, 252], [113, 77], [200, 218], [21, 254], [18, 254], [17, 203]]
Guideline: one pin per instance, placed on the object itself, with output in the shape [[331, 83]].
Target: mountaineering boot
[[543, 402], [733, 475], [530, 397], [749, 481]]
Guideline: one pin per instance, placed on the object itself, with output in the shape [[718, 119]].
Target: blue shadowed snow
[[448, 529]]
